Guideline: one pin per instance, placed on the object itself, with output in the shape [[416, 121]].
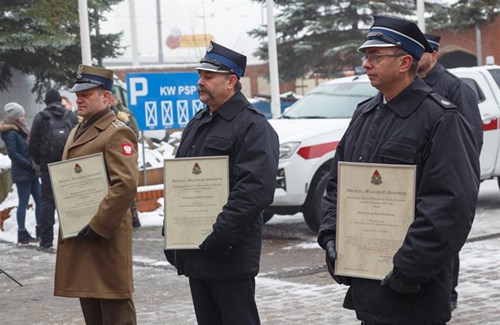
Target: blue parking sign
[[163, 100]]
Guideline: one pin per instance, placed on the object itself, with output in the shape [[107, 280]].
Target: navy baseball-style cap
[[89, 77], [433, 41], [223, 60], [389, 32]]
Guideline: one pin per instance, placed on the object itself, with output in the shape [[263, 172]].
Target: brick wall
[[455, 40]]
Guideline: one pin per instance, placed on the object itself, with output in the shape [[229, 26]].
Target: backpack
[[56, 134]]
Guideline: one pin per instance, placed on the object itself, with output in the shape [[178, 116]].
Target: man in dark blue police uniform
[[407, 123], [459, 93], [222, 272]]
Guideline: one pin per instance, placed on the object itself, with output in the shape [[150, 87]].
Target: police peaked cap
[[433, 41], [223, 60], [89, 77], [388, 32]]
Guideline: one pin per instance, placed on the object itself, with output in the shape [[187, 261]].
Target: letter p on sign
[[138, 87]]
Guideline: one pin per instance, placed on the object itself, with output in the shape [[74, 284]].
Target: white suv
[[309, 132]]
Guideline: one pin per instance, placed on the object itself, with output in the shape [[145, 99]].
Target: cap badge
[[210, 47]]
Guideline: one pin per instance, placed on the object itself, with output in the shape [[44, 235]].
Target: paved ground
[[293, 287]]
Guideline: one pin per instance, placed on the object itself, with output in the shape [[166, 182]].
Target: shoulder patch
[[118, 124], [442, 101]]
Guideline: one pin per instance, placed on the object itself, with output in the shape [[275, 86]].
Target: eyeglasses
[[376, 58]]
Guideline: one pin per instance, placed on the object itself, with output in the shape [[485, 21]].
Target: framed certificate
[[196, 189], [79, 185], [375, 207]]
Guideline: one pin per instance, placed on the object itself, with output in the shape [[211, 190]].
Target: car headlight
[[288, 149]]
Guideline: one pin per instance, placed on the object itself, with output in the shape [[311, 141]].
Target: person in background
[[66, 103], [124, 115], [25, 172], [222, 272], [408, 123], [459, 93], [49, 133], [96, 266]]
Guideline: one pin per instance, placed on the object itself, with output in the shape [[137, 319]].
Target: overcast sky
[[227, 20]]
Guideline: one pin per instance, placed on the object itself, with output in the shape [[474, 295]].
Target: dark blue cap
[[89, 77], [433, 41], [223, 60], [388, 32]]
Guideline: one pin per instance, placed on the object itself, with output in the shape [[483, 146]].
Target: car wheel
[[313, 215], [266, 216]]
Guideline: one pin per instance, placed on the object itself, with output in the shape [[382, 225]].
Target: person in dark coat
[[222, 272], [408, 123], [24, 171], [459, 93], [40, 152]]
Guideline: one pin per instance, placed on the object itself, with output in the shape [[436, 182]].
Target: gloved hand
[[398, 282], [331, 253], [331, 256], [215, 245], [88, 232]]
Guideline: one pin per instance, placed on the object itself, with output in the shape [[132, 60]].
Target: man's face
[[92, 101], [214, 88], [382, 66], [426, 63]]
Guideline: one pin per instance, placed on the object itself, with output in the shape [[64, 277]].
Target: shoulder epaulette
[[118, 124], [442, 101]]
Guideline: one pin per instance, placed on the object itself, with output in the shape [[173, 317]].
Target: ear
[[232, 81], [405, 63], [106, 96]]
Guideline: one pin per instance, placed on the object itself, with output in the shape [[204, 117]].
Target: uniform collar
[[406, 102]]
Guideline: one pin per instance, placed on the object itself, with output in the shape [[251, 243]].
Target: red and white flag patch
[[127, 149]]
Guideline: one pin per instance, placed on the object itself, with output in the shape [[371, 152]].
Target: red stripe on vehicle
[[317, 150], [493, 125]]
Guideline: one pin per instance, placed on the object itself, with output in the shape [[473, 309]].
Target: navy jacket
[[417, 127], [459, 93], [17, 149], [239, 131]]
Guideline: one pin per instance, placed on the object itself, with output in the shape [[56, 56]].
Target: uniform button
[[192, 147], [360, 158]]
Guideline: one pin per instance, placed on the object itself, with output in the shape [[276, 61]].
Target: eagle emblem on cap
[[210, 47]]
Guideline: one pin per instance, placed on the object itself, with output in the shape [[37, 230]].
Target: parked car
[[311, 129]]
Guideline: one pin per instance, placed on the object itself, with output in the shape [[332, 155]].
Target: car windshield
[[496, 75], [338, 100]]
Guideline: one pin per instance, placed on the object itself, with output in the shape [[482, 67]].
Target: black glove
[[331, 256], [215, 245], [88, 232], [398, 282]]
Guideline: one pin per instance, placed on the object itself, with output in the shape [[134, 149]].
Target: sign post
[[162, 100]]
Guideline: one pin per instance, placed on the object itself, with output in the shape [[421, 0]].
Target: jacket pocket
[[217, 146], [398, 153]]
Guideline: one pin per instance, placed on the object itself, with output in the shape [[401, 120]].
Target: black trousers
[[456, 270], [224, 302], [48, 209]]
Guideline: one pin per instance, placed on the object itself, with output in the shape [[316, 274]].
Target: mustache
[[204, 90]]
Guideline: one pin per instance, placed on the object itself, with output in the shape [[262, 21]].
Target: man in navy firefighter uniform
[[222, 272], [459, 93], [408, 123]]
